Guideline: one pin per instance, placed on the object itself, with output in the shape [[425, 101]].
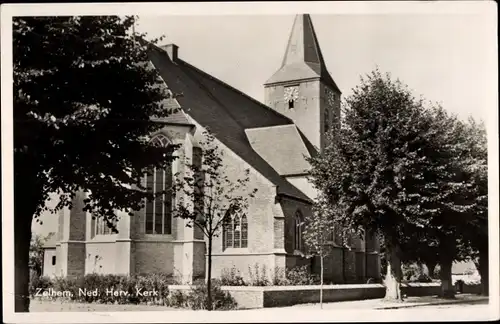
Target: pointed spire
[[303, 58]]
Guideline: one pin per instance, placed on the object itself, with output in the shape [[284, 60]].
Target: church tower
[[302, 89]]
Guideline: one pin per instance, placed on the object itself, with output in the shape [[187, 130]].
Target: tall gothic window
[[298, 227], [159, 209], [235, 232]]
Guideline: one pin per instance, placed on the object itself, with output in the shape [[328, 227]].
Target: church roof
[[303, 58], [226, 111], [285, 153]]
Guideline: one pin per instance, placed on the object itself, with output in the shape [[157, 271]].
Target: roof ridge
[[238, 91], [266, 127]]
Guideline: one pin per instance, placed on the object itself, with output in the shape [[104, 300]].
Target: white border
[[486, 8]]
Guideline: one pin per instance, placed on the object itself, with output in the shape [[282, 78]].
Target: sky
[[446, 58]]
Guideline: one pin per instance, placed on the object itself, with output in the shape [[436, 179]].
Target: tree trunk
[[393, 277], [23, 216], [343, 265], [321, 285], [483, 269], [447, 289], [209, 275]]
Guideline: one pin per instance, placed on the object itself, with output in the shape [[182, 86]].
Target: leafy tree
[[36, 253], [84, 96], [460, 197], [378, 169], [473, 233], [208, 195], [319, 227]]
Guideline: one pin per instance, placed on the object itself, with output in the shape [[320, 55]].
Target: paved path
[[410, 302], [465, 307]]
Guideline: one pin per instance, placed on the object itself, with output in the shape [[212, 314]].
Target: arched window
[[235, 232], [298, 227], [159, 209]]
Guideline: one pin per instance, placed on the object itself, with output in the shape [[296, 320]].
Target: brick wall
[[372, 265], [100, 257], [306, 111], [290, 208], [76, 258], [244, 263], [260, 217], [78, 219], [350, 275], [333, 271], [154, 257], [259, 297], [310, 294], [360, 267]]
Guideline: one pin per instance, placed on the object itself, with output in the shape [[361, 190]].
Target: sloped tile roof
[[226, 111], [282, 147]]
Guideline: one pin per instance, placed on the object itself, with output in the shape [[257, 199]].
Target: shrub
[[64, 284], [103, 283], [155, 282], [301, 276], [38, 282], [231, 277], [177, 299], [221, 300], [258, 277], [279, 278]]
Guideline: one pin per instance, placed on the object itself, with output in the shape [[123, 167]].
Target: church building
[[302, 102]]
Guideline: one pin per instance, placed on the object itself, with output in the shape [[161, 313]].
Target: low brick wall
[[249, 297], [287, 296], [420, 289], [472, 289]]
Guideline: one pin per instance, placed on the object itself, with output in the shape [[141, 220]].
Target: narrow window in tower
[[290, 104], [53, 260]]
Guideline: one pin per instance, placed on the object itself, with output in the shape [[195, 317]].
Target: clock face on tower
[[291, 94], [330, 97]]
